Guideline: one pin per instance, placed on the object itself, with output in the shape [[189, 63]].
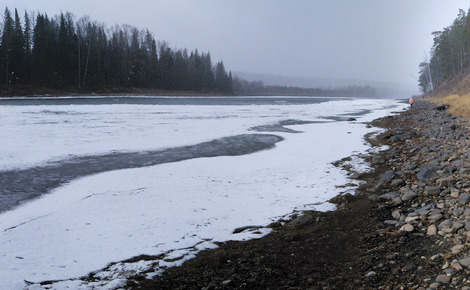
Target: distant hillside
[[383, 90]]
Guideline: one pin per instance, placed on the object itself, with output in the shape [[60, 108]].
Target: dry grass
[[459, 105]]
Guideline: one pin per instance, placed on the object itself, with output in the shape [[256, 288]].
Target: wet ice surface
[[19, 185], [109, 212]]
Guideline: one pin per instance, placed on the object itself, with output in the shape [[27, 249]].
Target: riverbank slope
[[407, 226]]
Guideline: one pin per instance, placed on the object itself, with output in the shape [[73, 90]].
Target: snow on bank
[[83, 226]]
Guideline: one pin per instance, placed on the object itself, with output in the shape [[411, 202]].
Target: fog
[[373, 40]]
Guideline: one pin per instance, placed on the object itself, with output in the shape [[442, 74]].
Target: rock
[[442, 107], [410, 219], [407, 228], [457, 212], [456, 249], [465, 262], [427, 172], [396, 138], [377, 160], [446, 265], [454, 192], [445, 224], [397, 182], [433, 190], [457, 225], [351, 119], [370, 274], [466, 211], [408, 195], [388, 175], [443, 279], [435, 217], [447, 181], [389, 195], [432, 230], [396, 214], [297, 222], [463, 198], [456, 265], [226, 282]]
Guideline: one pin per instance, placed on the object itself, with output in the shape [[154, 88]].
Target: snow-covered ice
[[174, 208]]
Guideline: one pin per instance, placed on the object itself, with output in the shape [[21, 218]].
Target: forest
[[42, 52], [258, 88], [39, 53], [450, 55]]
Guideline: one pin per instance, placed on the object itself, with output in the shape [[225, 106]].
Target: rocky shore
[[406, 227]]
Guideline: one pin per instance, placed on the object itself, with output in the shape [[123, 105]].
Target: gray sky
[[374, 40]]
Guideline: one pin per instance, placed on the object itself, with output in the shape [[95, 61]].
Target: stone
[[463, 198], [408, 195], [226, 282], [466, 211], [377, 160], [370, 274], [465, 262], [427, 172], [411, 166], [454, 192], [411, 219], [443, 279], [435, 217], [445, 224], [396, 214], [457, 225], [397, 182], [297, 222], [388, 196], [456, 265], [407, 228], [447, 181], [387, 176], [432, 230], [456, 249], [433, 190], [457, 212]]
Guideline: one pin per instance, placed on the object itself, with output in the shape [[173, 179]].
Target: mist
[[365, 41]]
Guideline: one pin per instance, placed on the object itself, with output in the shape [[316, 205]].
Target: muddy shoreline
[[406, 227]]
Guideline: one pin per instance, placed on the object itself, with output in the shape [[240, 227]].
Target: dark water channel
[[17, 186]]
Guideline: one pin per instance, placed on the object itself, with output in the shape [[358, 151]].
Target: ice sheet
[[109, 217]]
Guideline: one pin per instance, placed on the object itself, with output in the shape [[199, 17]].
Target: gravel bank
[[407, 226]]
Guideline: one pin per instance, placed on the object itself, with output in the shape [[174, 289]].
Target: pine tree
[[7, 45]]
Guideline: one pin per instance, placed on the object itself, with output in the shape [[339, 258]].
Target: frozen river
[[88, 182]]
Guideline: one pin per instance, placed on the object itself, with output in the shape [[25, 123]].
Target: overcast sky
[[373, 40]]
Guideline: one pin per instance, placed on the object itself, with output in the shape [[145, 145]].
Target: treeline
[[450, 54], [43, 52], [258, 88]]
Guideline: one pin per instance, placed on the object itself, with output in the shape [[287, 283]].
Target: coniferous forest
[[38, 51], [61, 54], [450, 55]]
